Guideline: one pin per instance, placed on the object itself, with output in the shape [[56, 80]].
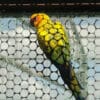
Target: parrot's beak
[[35, 20], [32, 21]]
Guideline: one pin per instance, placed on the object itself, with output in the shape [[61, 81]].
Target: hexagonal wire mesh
[[21, 59]]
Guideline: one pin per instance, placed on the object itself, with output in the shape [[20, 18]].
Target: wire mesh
[[26, 73]]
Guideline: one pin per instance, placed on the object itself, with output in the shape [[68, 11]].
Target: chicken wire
[[26, 73]]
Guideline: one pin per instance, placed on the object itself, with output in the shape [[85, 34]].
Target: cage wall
[[25, 71]]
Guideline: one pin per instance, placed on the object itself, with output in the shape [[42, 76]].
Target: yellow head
[[36, 18]]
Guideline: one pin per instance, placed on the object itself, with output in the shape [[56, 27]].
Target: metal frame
[[49, 5]]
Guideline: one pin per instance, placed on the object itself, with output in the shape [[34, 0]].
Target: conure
[[54, 41]]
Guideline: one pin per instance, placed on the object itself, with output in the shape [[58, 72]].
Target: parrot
[[54, 41]]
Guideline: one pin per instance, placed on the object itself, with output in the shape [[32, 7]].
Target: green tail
[[79, 97], [82, 95]]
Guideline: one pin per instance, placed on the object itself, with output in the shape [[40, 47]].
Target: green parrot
[[54, 42]]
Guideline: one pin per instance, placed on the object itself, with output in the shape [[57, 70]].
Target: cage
[[25, 71]]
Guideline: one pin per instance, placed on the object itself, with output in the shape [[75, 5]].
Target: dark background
[[50, 5]]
